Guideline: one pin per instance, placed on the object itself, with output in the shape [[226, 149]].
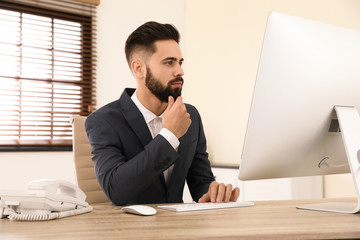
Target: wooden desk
[[266, 220]]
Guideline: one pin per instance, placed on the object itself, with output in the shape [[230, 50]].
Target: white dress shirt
[[154, 124]]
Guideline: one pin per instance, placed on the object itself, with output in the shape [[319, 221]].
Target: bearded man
[[146, 144]]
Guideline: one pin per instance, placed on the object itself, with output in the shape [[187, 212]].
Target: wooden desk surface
[[266, 220]]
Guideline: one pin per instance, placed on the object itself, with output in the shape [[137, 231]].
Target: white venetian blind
[[47, 73]]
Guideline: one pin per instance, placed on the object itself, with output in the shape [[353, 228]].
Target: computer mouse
[[140, 210]]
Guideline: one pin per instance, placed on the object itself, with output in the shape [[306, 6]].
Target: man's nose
[[179, 71]]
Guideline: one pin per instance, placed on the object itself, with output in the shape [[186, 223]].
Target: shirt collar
[[148, 115]]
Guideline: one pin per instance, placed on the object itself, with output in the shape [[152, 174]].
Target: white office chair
[[84, 167]]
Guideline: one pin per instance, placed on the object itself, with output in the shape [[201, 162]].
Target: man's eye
[[168, 62]]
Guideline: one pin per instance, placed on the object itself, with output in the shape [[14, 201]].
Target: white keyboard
[[204, 206]]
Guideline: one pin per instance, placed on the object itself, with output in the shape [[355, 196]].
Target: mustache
[[178, 79]]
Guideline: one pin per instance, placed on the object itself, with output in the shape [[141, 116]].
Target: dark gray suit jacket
[[129, 163]]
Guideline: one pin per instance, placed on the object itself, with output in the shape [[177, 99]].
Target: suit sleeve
[[123, 179], [200, 175]]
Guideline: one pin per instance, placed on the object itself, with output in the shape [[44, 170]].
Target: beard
[[159, 90]]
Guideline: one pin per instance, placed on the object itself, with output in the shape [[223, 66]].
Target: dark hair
[[145, 36]]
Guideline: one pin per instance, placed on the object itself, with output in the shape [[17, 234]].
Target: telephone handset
[[44, 199]]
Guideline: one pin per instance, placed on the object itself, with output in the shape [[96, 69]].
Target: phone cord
[[13, 216]]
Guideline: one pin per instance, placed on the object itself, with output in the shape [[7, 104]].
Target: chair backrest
[[84, 167]]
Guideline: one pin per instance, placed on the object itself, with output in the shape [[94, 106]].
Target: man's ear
[[138, 68]]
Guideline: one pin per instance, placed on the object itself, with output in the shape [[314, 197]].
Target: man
[[147, 143]]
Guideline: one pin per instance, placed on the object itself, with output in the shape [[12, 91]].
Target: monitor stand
[[349, 122]]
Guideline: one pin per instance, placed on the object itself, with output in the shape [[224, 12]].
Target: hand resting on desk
[[218, 192]]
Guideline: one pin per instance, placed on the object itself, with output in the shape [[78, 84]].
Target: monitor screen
[[306, 68]]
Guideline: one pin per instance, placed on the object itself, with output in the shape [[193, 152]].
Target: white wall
[[18, 168], [339, 185]]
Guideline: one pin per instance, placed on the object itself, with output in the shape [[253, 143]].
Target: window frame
[[87, 92]]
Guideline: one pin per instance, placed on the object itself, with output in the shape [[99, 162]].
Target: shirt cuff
[[170, 137]]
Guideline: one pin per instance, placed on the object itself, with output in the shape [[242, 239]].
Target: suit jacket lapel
[[137, 122], [134, 117]]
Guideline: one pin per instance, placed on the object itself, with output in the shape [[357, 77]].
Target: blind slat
[[23, 142], [86, 83]]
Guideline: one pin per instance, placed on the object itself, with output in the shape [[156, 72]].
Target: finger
[[170, 102], [213, 189], [220, 193], [179, 99], [228, 193], [235, 194], [204, 198]]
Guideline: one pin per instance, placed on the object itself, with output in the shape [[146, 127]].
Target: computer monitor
[[303, 119]]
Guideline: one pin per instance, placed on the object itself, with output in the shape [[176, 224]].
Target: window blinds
[[47, 72]]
